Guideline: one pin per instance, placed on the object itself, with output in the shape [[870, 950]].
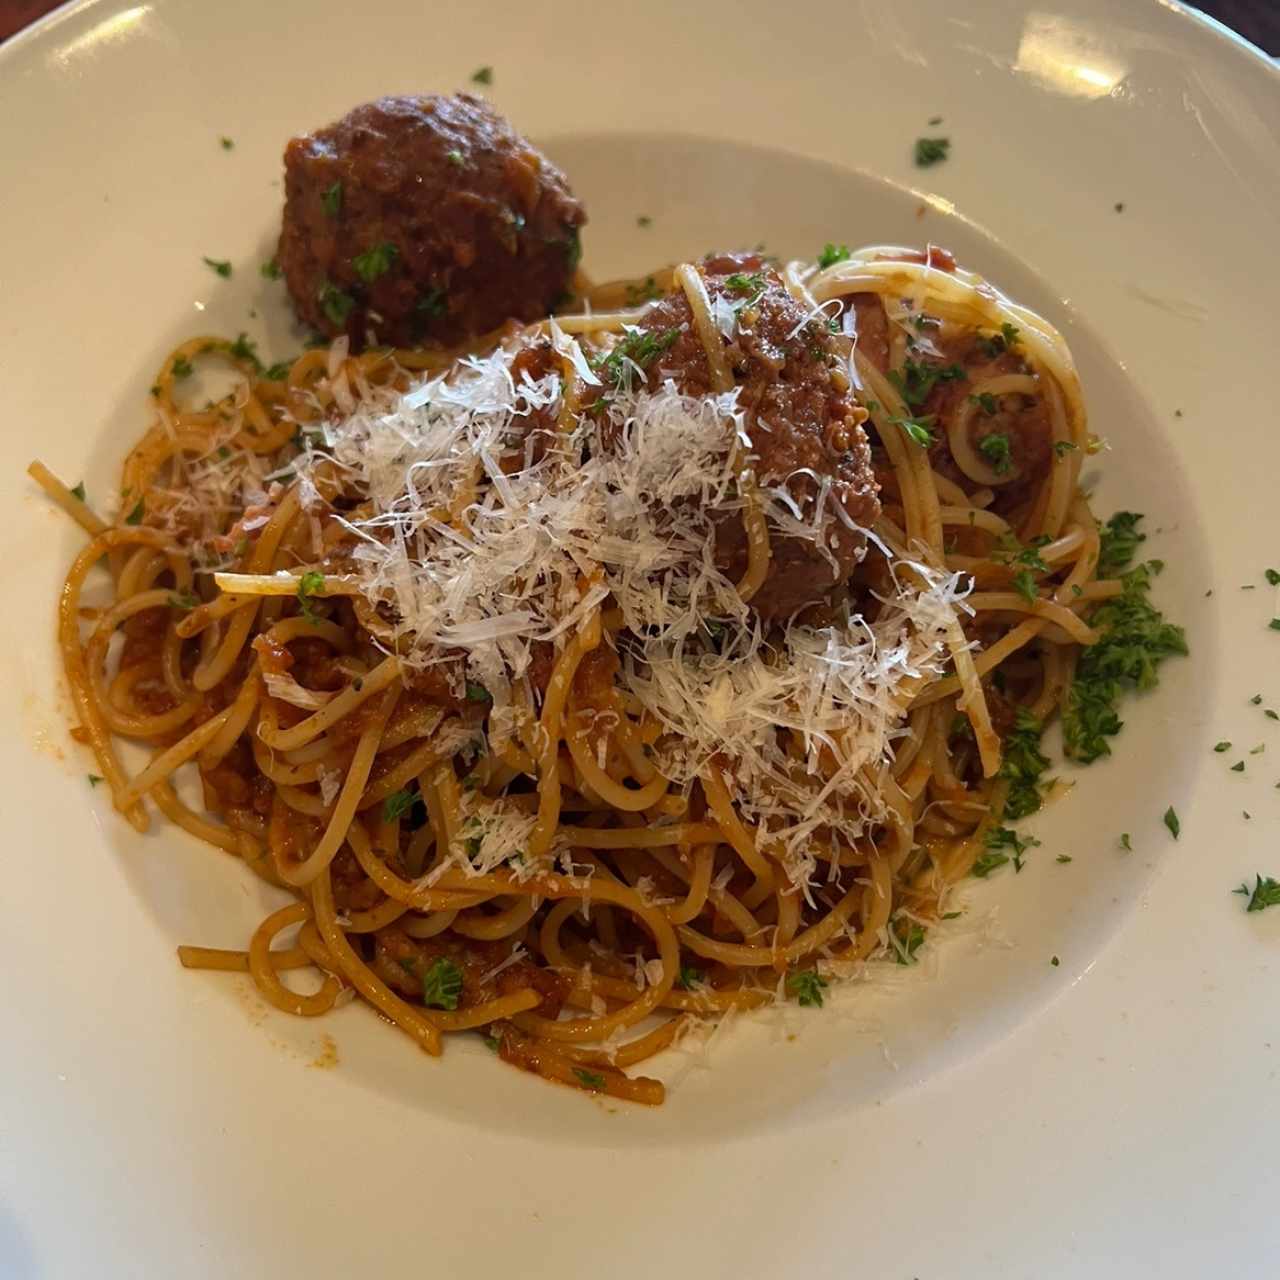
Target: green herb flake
[[1134, 640], [441, 984], [482, 75], [1271, 715], [183, 601], [1063, 857], [690, 978], [638, 350], [492, 1043], [1238, 767], [831, 254], [749, 284], [78, 491], [916, 379], [807, 987], [278, 372], [1274, 624], [644, 220], [1171, 821], [1053, 960], [375, 262], [589, 1079], [639, 294], [270, 270], [135, 516], [1125, 843], [455, 158], [917, 429], [906, 945], [931, 151], [181, 367], [1004, 845], [397, 804], [1273, 577], [477, 692], [331, 200], [227, 143], [95, 778], [1023, 765], [988, 404], [1120, 539], [1264, 894], [1220, 747], [1063, 447], [220, 266], [309, 585], [335, 304]]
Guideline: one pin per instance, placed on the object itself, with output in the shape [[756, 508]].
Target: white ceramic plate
[[990, 1114]]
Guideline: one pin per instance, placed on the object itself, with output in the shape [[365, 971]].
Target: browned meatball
[[801, 416], [424, 218]]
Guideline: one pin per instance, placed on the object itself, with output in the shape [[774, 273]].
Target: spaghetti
[[441, 637]]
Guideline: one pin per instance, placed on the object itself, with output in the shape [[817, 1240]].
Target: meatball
[[424, 219], [801, 417]]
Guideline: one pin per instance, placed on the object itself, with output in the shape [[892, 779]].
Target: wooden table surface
[[1256, 20]]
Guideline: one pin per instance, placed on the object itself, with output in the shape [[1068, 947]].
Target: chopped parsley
[[227, 143], [1264, 894], [1004, 845], [639, 294], [572, 245], [995, 448], [482, 75], [455, 158], [917, 429], [1063, 447], [1024, 583], [1133, 640], [397, 804], [1238, 767], [135, 516], [375, 262], [906, 945], [1023, 766], [994, 344], [270, 270], [638, 350], [1271, 715], [441, 984], [432, 303], [279, 371], [1274, 624], [930, 151], [831, 254], [1125, 843], [220, 266], [1053, 960], [1272, 576], [94, 779], [590, 1079], [644, 220], [476, 692], [690, 978], [1222, 746], [244, 348], [740, 283], [310, 584], [916, 379], [78, 491], [335, 304], [182, 367], [986, 402], [184, 601], [1170, 820], [1063, 857], [1120, 539], [331, 200], [807, 986]]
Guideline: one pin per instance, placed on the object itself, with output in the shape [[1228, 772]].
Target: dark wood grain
[[1256, 20]]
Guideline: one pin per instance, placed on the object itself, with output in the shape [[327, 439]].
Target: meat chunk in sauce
[[800, 415], [424, 218]]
